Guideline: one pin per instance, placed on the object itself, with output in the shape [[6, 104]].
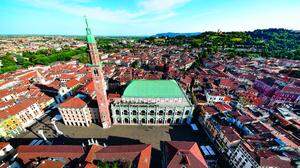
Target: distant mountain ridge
[[171, 34]]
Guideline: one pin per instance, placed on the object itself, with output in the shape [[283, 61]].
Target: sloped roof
[[51, 164], [61, 151], [21, 106], [180, 153], [141, 153], [153, 89], [73, 102]]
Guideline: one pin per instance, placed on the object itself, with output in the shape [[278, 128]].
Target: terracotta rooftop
[[21, 106], [72, 83], [210, 110], [3, 144], [179, 153], [69, 152], [230, 133], [4, 93], [73, 102], [222, 107], [51, 164], [245, 118], [140, 153]]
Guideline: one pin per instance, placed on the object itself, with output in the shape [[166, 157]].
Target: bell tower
[[98, 78]]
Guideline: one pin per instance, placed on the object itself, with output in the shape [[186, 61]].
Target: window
[[134, 120], [152, 112], [152, 121], [169, 120], [161, 112], [143, 121], [179, 112], [96, 72], [134, 112], [126, 120], [187, 112], [125, 112]]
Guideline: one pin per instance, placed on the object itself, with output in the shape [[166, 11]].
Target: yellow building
[[10, 126]]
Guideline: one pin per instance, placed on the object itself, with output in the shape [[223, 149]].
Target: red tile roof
[[28, 75], [4, 114], [21, 106], [222, 107], [88, 89], [4, 93], [180, 153], [140, 153], [245, 118], [3, 144], [28, 153], [51, 164], [72, 83], [230, 134], [210, 110], [268, 159], [73, 102]]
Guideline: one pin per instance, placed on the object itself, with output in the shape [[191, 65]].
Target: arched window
[[161, 112], [117, 112], [125, 112], [177, 121], [134, 112], [134, 121], [152, 121], [119, 120], [179, 112], [126, 120], [184, 121], [143, 112], [170, 112], [187, 112], [143, 121], [160, 121], [152, 112], [96, 72], [169, 120]]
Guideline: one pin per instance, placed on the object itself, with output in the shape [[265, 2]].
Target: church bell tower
[[98, 78]]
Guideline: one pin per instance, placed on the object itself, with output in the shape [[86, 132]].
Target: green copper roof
[[89, 37], [153, 89]]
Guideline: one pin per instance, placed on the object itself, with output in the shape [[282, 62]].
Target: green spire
[[89, 37]]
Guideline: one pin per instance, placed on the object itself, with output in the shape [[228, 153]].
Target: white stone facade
[[151, 111], [77, 116]]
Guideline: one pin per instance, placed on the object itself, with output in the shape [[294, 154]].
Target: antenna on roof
[[86, 22]]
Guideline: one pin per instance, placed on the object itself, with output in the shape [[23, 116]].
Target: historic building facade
[[78, 111], [152, 102]]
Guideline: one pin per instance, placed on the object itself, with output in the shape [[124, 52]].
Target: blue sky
[[145, 17]]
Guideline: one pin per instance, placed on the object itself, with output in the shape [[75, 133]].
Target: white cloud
[[161, 5], [152, 10]]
